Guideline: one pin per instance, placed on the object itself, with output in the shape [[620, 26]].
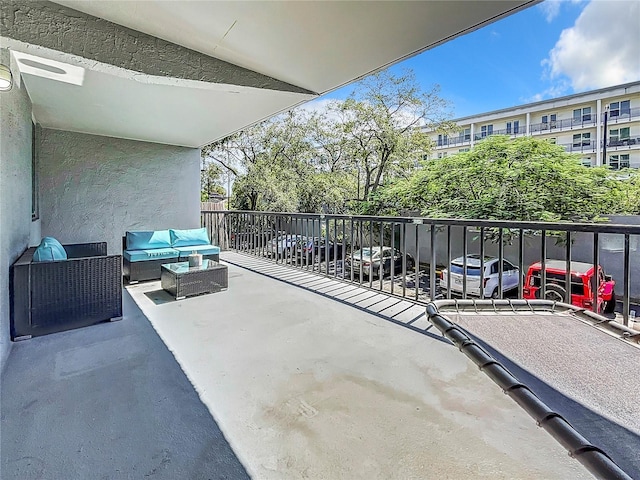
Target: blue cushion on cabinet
[[49, 250]]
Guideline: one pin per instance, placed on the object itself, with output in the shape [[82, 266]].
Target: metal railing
[[616, 116], [419, 252], [566, 123]]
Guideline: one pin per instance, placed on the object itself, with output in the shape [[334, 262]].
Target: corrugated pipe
[[592, 457]]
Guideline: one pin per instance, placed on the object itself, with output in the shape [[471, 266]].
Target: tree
[[310, 162], [210, 181], [523, 179], [382, 121]]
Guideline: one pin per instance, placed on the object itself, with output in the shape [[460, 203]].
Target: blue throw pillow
[[147, 240], [49, 250], [188, 238]]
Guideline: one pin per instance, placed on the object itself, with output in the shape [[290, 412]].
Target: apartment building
[[603, 126]]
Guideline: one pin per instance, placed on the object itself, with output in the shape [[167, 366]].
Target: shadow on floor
[[381, 304], [617, 441], [107, 402], [620, 443]]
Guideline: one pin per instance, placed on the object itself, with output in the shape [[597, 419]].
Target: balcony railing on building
[[419, 249]]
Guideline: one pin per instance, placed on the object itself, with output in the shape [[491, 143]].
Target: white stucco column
[[473, 128]]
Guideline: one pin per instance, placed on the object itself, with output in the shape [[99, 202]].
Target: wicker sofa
[[143, 252], [48, 297]]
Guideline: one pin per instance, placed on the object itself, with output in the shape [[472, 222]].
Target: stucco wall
[[94, 188], [15, 190]]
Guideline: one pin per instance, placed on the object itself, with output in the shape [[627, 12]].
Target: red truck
[[581, 285]]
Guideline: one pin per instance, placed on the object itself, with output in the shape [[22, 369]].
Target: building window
[[35, 184], [582, 140], [552, 140], [463, 150], [616, 162], [508, 127], [617, 109], [516, 126], [466, 134], [619, 136], [486, 130], [440, 140], [549, 121], [582, 115], [586, 162]]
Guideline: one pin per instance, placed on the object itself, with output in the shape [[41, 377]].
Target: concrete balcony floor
[[285, 375]]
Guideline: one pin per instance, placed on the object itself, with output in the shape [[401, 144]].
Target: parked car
[[581, 285], [371, 257], [252, 238], [282, 245], [315, 249], [490, 278]]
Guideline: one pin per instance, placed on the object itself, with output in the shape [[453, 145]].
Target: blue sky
[[553, 49]]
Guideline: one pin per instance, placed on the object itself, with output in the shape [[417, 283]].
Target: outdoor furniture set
[[145, 251], [55, 287], [184, 260]]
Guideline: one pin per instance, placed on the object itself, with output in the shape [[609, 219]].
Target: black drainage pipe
[[592, 457]]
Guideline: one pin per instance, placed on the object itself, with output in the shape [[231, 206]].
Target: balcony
[[587, 146], [453, 142], [302, 373], [300, 367], [586, 121], [620, 116], [624, 143]]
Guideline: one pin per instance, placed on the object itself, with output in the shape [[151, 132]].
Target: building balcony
[[621, 116], [453, 142], [580, 147], [303, 373], [587, 121], [300, 365]]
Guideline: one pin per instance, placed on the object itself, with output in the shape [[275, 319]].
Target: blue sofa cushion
[[187, 238], [150, 254], [201, 249], [146, 240], [49, 250]]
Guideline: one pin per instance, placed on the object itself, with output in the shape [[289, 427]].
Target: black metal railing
[[414, 256], [617, 116], [584, 121], [582, 146], [454, 141]]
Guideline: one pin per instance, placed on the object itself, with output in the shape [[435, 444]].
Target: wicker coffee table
[[182, 281]]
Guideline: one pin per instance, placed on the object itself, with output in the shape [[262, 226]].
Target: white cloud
[[550, 9], [601, 49], [319, 105]]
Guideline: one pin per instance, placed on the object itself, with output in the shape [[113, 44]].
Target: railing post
[[627, 282], [567, 275], [432, 267], [596, 272]]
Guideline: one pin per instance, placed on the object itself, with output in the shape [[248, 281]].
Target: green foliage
[[211, 181], [523, 179], [329, 161]]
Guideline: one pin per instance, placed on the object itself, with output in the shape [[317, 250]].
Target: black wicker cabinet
[[49, 297]]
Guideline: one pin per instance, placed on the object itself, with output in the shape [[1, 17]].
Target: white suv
[[510, 276]]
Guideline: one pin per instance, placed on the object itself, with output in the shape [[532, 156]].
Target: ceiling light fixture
[[6, 79]]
